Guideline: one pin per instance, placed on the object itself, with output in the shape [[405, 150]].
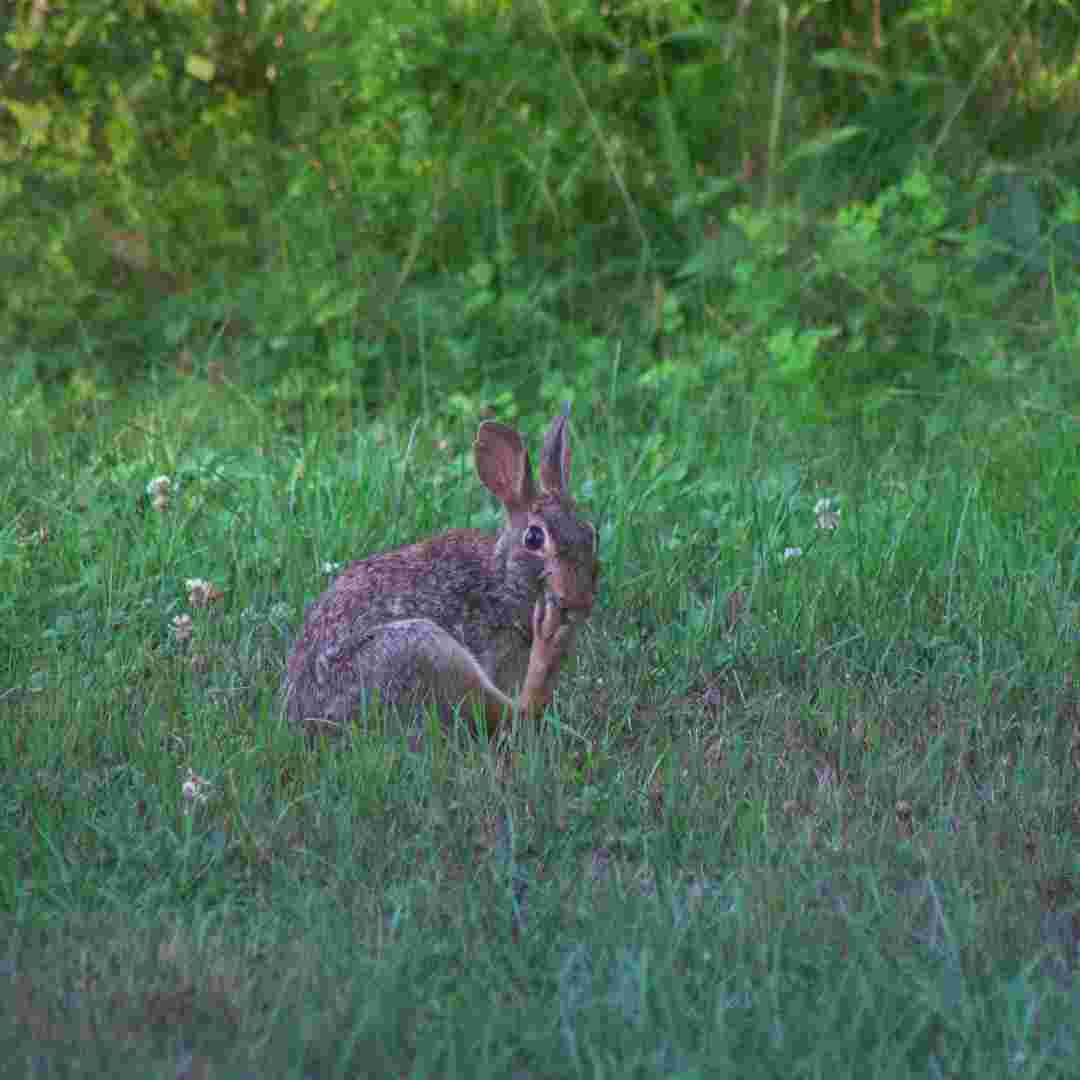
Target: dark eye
[[533, 538]]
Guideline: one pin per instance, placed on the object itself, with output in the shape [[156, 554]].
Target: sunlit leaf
[[199, 67]]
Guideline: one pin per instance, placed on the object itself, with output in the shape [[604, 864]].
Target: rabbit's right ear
[[555, 456], [502, 463]]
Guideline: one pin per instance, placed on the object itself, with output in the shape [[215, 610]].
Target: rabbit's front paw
[[552, 630]]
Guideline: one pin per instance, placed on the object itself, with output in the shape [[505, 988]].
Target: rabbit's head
[[545, 542]]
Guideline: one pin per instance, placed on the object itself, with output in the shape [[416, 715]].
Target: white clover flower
[[160, 485], [827, 514], [331, 567], [183, 626], [201, 593], [792, 553], [196, 789]]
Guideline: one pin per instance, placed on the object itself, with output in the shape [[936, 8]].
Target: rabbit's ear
[[502, 463], [555, 457]]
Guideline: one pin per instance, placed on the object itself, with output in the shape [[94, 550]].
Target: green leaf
[[33, 119], [75, 34], [842, 60], [199, 67], [925, 277], [822, 144]]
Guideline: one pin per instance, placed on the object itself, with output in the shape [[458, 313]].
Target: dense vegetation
[[838, 200], [809, 799]]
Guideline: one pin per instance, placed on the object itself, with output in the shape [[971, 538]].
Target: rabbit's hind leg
[[413, 663], [406, 665], [418, 662], [421, 662]]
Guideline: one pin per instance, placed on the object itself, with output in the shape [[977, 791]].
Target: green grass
[[795, 817]]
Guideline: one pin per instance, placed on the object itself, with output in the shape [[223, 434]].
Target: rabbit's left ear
[[555, 456], [502, 463]]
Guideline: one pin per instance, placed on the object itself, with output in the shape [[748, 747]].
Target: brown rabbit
[[462, 619]]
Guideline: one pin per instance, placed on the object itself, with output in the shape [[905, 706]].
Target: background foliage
[[852, 191]]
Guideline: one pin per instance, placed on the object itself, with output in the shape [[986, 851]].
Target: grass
[[794, 813]]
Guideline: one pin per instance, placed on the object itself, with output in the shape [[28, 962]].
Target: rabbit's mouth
[[579, 608]]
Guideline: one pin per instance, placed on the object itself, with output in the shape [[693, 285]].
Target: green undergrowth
[[807, 801]]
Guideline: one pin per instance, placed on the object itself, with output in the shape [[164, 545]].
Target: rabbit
[[461, 620]]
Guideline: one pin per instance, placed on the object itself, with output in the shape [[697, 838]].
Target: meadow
[[806, 803]]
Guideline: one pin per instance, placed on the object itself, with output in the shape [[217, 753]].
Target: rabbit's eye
[[533, 538]]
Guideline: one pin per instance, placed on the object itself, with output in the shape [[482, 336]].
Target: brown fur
[[462, 619]]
